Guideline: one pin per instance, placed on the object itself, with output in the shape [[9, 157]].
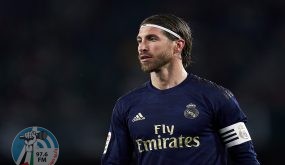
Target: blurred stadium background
[[64, 63]]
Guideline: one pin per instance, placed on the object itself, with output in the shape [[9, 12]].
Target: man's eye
[[152, 39]]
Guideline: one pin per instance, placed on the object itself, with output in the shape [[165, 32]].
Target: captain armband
[[234, 134]]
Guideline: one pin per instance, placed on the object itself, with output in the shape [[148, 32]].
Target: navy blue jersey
[[195, 122]]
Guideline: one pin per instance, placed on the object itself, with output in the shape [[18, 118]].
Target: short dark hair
[[177, 25]]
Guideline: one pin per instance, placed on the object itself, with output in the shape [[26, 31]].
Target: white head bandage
[[162, 28]]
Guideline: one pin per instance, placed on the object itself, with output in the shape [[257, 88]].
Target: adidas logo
[[138, 117]]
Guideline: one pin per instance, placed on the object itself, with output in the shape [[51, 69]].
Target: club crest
[[243, 133], [191, 111]]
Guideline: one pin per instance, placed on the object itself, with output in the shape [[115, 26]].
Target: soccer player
[[176, 117]]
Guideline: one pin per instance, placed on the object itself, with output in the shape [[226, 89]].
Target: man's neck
[[168, 77]]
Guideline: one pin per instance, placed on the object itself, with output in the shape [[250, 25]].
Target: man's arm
[[238, 142], [118, 148], [243, 154], [232, 128]]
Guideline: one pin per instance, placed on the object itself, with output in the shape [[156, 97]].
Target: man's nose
[[142, 47]]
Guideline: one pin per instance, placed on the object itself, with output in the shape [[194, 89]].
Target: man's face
[[154, 48]]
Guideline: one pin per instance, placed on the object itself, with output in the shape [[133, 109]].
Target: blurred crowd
[[63, 65]]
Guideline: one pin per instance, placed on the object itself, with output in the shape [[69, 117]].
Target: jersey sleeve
[[118, 147], [231, 123]]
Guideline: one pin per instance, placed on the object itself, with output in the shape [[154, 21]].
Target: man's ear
[[179, 46]]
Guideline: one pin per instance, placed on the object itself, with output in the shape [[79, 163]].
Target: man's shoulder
[[208, 86], [203, 82], [134, 93]]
